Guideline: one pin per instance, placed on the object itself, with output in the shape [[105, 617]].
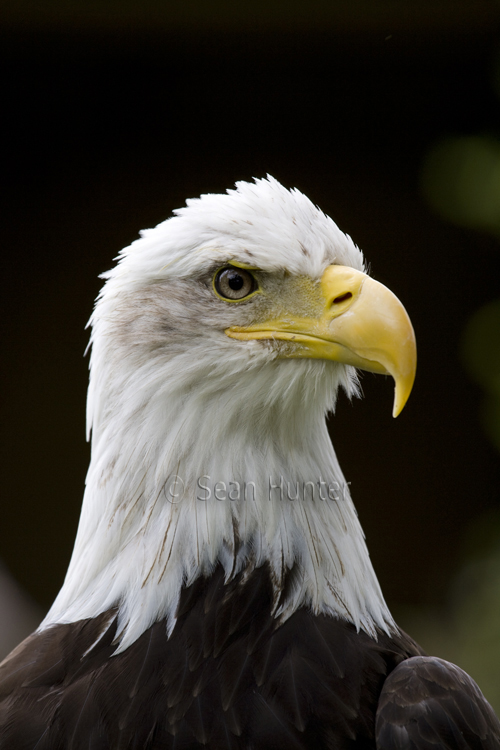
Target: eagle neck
[[193, 477]]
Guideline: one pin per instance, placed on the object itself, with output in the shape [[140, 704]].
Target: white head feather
[[172, 400]]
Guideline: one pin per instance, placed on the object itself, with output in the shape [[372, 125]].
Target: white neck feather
[[143, 534]]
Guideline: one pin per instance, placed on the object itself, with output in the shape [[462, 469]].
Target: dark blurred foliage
[[112, 118]]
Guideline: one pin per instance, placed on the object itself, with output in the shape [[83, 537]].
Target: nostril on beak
[[342, 298]]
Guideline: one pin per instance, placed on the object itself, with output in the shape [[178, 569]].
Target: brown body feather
[[230, 677]]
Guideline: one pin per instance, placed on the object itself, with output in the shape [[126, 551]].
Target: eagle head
[[219, 342]]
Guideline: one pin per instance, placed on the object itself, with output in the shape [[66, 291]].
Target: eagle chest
[[228, 677]]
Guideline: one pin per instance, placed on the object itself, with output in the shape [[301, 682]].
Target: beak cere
[[362, 324]]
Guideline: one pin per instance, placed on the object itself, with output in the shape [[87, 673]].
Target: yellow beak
[[362, 324]]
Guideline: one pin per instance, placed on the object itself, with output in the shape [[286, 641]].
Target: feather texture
[[428, 703], [228, 676], [167, 385]]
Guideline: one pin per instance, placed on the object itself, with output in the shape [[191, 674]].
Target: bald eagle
[[220, 594]]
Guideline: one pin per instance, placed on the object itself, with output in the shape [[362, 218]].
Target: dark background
[[112, 117]]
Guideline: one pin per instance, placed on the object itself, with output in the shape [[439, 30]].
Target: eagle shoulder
[[430, 704]]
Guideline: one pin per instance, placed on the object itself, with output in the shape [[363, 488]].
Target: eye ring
[[234, 284]]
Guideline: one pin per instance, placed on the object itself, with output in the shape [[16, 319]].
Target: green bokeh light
[[461, 181], [481, 347], [481, 358]]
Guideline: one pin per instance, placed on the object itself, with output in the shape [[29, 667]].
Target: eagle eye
[[234, 284]]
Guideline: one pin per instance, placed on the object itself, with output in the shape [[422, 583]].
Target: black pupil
[[235, 280]]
